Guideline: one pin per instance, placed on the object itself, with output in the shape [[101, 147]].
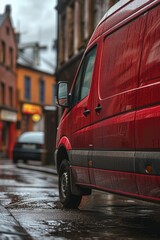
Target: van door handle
[[86, 112], [98, 108]]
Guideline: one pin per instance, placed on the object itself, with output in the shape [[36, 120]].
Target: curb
[[10, 227], [50, 169]]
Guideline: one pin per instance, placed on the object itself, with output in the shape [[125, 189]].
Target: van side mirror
[[63, 94]]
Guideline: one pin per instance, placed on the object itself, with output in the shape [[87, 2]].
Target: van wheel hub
[[64, 184]]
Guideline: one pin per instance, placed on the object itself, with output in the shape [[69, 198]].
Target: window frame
[[3, 52], [27, 87], [10, 89], [42, 90], [11, 57], [3, 93], [82, 71]]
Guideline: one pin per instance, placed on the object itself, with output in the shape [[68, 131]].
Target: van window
[[120, 59], [82, 85]]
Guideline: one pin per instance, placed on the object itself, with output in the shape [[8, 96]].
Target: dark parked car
[[29, 146]]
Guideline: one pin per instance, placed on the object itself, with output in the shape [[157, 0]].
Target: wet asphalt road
[[32, 206]]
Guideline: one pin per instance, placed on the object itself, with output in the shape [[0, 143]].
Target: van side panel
[[118, 85], [148, 96], [147, 121], [151, 52], [117, 96], [148, 114]]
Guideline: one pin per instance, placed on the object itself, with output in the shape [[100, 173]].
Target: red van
[[109, 135]]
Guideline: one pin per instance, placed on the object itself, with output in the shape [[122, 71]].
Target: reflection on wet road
[[32, 198]]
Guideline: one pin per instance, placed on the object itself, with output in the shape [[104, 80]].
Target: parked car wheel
[[67, 199]]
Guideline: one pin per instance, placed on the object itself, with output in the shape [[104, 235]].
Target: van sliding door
[[114, 161]]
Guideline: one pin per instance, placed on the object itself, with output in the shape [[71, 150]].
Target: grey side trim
[[107, 160], [114, 160], [124, 161], [79, 157]]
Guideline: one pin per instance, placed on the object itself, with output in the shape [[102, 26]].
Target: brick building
[[76, 21], [8, 113]]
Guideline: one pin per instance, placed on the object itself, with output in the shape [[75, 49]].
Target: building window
[[81, 22], [7, 30], [2, 93], [62, 39], [90, 21], [11, 57], [97, 13], [3, 52], [27, 88], [11, 96], [42, 91], [70, 30]]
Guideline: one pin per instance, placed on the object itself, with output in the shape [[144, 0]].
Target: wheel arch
[[61, 155]]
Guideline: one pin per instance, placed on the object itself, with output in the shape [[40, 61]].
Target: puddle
[[6, 178], [6, 236], [82, 230], [27, 201]]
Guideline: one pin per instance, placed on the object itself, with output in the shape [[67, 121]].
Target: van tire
[[67, 199]]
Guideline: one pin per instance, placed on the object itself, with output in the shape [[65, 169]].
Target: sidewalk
[[31, 165], [9, 227], [46, 169]]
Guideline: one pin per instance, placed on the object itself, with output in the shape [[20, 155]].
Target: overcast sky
[[35, 19]]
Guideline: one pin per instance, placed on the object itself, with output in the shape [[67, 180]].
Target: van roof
[[115, 8], [118, 13]]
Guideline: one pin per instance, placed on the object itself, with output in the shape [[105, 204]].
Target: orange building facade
[[35, 90]]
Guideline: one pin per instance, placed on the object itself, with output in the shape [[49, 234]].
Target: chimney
[[8, 9], [36, 53]]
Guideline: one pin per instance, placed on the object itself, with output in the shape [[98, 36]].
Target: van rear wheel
[[67, 199]]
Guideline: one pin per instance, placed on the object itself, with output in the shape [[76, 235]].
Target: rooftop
[[5, 14], [35, 56]]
